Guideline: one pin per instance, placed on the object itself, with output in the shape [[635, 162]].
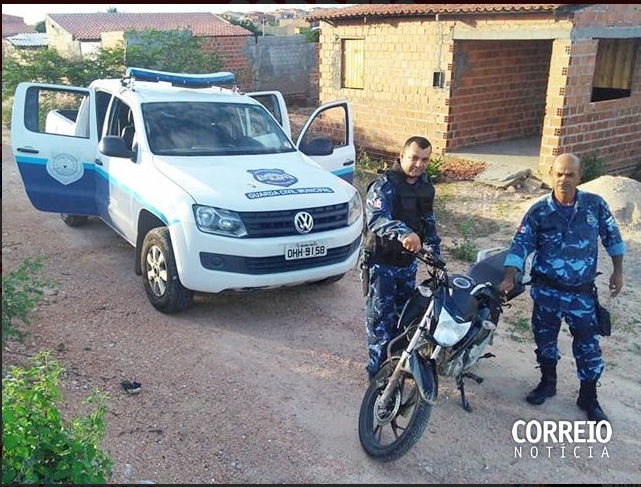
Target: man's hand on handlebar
[[412, 243], [509, 280]]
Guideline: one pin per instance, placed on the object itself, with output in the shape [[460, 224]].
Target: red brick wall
[[398, 99], [231, 52], [611, 128], [498, 91]]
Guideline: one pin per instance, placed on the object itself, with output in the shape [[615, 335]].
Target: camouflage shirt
[[565, 244]]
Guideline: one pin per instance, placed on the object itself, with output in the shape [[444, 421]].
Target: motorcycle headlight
[[219, 221], [449, 331], [355, 209]]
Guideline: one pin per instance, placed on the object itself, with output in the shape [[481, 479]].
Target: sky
[[34, 13]]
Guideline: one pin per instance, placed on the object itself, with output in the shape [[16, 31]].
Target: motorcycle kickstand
[[461, 387], [474, 377]]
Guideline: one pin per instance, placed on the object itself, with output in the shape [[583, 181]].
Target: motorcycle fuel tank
[[459, 302]]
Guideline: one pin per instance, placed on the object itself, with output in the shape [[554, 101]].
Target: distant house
[[556, 77], [259, 18], [81, 34], [13, 25], [35, 40]]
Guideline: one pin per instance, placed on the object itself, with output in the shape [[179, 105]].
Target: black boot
[[547, 386], [587, 401]]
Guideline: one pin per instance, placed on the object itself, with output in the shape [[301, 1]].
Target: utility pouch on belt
[[364, 262], [602, 315]]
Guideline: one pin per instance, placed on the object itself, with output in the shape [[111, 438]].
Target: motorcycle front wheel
[[388, 431]]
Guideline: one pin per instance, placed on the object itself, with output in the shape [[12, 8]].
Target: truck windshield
[[206, 128]]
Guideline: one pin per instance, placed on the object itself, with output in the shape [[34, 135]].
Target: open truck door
[[328, 138], [58, 176]]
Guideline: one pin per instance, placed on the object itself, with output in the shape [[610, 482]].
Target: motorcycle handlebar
[[427, 255]]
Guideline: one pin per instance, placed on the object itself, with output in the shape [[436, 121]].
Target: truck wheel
[[74, 220], [160, 275]]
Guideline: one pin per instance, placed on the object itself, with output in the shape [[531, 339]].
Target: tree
[[311, 35], [167, 50], [246, 24], [38, 66], [176, 51]]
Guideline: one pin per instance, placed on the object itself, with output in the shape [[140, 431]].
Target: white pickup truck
[[204, 181]]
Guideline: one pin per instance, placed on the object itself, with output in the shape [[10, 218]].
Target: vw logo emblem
[[303, 222]]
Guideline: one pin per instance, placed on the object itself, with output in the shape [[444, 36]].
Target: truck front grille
[[262, 224]]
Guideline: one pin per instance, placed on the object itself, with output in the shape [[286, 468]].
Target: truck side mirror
[[114, 146], [320, 146]]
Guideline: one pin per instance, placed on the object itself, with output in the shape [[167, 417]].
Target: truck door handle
[[27, 151], [348, 163], [98, 162]]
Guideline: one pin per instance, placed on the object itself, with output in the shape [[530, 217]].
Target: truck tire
[[160, 275], [74, 220]]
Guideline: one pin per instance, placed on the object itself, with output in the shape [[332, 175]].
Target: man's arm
[[616, 279]]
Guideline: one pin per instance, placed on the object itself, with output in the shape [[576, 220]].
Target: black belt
[[586, 288]]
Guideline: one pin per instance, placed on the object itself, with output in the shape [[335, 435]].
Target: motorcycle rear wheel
[[387, 432]]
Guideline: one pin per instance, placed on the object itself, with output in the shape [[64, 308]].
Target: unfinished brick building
[[555, 78]]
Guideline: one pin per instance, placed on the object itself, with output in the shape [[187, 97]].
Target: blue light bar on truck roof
[[182, 79]]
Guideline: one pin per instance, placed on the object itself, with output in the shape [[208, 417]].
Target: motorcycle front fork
[[403, 363]]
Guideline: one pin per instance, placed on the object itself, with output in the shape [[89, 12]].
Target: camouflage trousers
[[581, 320], [389, 288]]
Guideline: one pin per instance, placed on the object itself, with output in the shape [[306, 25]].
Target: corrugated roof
[[12, 24], [37, 39], [88, 27], [410, 10]]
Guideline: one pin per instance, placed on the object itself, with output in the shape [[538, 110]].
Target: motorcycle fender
[[424, 373]]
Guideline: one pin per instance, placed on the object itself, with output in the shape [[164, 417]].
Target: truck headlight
[[219, 221], [355, 209]]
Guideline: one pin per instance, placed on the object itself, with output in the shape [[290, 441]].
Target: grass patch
[[465, 249], [520, 330]]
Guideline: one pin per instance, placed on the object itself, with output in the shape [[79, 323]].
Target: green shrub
[[434, 168], [467, 249], [21, 293], [38, 446], [593, 166], [366, 163]]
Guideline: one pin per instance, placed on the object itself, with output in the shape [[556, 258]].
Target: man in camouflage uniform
[[564, 229], [399, 214]]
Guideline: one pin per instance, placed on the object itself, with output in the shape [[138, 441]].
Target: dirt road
[[266, 387]]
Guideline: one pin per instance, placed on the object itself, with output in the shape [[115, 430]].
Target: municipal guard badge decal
[[277, 177], [65, 168]]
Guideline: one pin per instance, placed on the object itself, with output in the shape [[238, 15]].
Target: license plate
[[305, 250]]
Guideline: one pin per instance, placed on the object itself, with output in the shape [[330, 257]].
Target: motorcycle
[[443, 330]]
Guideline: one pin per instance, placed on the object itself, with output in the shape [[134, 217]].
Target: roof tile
[[410, 10], [89, 27], [12, 24]]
